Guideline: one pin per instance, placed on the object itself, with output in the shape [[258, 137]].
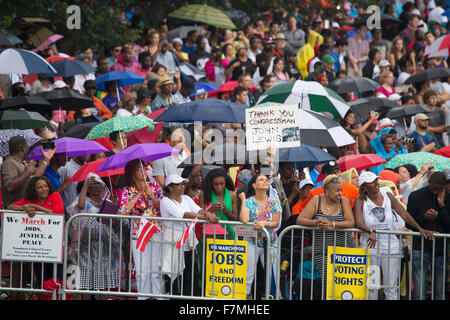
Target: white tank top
[[380, 218]]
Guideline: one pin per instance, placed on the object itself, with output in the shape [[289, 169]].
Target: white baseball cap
[[174, 178], [395, 97], [305, 182], [367, 177], [59, 84]]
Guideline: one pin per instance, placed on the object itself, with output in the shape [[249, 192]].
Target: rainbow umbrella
[[418, 159], [205, 14]]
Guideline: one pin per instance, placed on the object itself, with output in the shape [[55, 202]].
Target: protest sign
[[346, 273], [37, 239], [277, 126], [226, 269]]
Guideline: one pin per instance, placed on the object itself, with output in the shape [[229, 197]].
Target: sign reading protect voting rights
[[37, 239]]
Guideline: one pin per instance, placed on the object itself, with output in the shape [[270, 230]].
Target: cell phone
[[48, 145], [326, 24]]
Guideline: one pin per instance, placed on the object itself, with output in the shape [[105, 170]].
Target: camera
[[410, 140], [48, 145]]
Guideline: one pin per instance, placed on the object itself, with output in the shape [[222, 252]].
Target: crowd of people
[[261, 55]]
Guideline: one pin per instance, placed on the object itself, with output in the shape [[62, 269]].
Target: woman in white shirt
[[375, 210], [177, 205], [407, 184]]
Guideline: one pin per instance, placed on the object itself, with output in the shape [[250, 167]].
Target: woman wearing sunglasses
[[328, 211]]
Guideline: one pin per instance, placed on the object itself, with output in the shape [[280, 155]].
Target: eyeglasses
[[333, 180]]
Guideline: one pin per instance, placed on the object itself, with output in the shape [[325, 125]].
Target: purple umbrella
[[144, 151], [73, 147]]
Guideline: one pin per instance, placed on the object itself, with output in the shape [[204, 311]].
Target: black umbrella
[[428, 74], [354, 84], [385, 19], [68, 68], [8, 38], [405, 110], [304, 155], [363, 106], [67, 100], [31, 103], [79, 130]]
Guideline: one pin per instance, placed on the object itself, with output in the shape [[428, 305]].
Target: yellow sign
[[226, 269], [346, 273]]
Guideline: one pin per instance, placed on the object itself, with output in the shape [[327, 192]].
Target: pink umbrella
[[52, 39], [439, 48]]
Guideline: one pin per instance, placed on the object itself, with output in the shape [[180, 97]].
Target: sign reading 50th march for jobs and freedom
[[272, 126], [37, 239]]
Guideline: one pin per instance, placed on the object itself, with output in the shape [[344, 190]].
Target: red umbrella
[[445, 152], [359, 161], [89, 167], [143, 135], [54, 59], [227, 87]]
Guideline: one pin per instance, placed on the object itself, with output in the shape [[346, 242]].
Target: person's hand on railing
[[30, 210]]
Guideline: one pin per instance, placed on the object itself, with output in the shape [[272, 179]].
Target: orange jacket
[[103, 111], [348, 190]]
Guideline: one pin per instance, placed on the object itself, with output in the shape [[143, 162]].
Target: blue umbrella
[[68, 68], [208, 110], [123, 78], [204, 87], [22, 61], [304, 156]]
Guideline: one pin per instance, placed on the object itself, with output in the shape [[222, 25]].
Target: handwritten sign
[[276, 126], [37, 239]]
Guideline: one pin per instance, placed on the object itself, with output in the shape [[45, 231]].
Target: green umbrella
[[418, 159], [310, 95], [21, 119], [205, 14], [117, 123]]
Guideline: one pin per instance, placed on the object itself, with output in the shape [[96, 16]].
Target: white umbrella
[[20, 61]]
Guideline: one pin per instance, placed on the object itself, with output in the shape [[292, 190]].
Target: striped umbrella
[[22, 61], [310, 95], [205, 14], [439, 48], [418, 159], [117, 123], [319, 130]]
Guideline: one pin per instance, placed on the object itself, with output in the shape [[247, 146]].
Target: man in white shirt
[[66, 172], [169, 165]]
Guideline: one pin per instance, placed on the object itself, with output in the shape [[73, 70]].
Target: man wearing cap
[[305, 187], [295, 37], [327, 68], [280, 43], [349, 191], [424, 140], [164, 98]]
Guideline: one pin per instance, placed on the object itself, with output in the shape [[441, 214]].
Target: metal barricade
[[391, 274], [170, 279], [28, 280]]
